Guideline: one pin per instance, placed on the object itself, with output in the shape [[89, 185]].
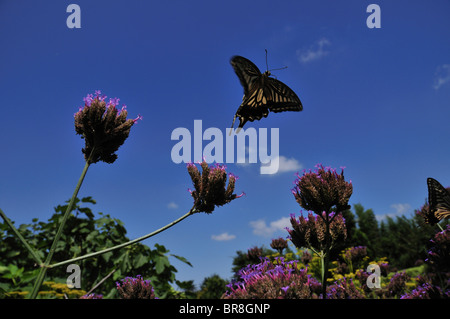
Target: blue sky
[[375, 101]]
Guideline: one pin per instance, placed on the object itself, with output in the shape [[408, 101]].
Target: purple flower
[[210, 188], [135, 288], [139, 117], [113, 101], [92, 296], [88, 99], [343, 289], [397, 284], [321, 190], [103, 128], [273, 279], [311, 231], [424, 291]]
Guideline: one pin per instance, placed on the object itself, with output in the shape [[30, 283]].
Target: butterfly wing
[[246, 71], [253, 106], [281, 98], [438, 200], [250, 76]]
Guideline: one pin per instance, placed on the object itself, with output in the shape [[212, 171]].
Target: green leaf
[[182, 259], [107, 256], [88, 199], [139, 261], [75, 250], [161, 263]]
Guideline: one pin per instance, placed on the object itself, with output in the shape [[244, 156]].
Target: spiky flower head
[[279, 244], [103, 126], [322, 189], [210, 187], [135, 288], [310, 232]]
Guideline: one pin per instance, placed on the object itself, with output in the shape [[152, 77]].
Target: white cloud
[[288, 165], [315, 52], [399, 210], [172, 205], [223, 237], [285, 164], [441, 76], [260, 227]]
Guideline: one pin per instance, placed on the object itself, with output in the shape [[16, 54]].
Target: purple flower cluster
[[343, 289], [92, 296], [276, 279], [436, 283], [439, 253], [311, 231], [210, 186], [322, 189], [103, 127], [135, 288], [354, 256], [397, 284], [356, 253], [426, 291]]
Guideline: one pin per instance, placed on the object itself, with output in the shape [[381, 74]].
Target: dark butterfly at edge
[[438, 200], [261, 93]]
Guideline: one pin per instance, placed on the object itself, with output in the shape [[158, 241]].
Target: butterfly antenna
[[284, 67], [267, 65]]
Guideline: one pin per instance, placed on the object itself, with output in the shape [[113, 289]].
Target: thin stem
[[101, 281], [322, 255], [327, 253], [41, 275], [131, 242], [21, 238]]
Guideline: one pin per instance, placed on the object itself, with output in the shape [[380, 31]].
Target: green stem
[[41, 275], [326, 256], [322, 263], [131, 242], [21, 238]]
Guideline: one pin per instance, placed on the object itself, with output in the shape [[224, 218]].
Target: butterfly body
[[261, 93], [438, 200]]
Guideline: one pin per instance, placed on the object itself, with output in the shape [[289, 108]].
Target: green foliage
[[402, 240], [84, 234], [212, 287], [367, 234]]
